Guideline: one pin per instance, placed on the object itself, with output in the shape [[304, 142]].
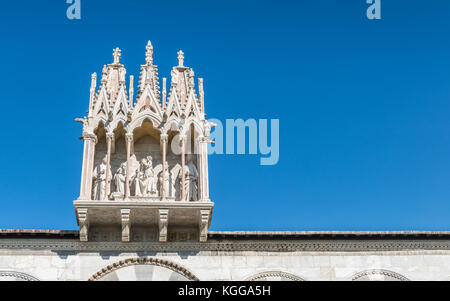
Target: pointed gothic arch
[[143, 116], [99, 121], [192, 122], [117, 123]]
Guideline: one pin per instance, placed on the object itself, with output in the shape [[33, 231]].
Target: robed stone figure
[[191, 182], [164, 181], [99, 179], [120, 179]]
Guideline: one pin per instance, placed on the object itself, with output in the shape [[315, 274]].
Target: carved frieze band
[[228, 246]]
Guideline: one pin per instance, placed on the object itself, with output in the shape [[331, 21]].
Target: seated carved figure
[[144, 180]]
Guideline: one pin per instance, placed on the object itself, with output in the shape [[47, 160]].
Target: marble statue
[[164, 181], [191, 181], [120, 179], [145, 184], [99, 179], [117, 56]]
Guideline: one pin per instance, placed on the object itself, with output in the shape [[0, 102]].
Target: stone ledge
[[56, 245], [413, 235]]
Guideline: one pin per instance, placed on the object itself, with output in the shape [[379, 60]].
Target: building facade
[[144, 207]]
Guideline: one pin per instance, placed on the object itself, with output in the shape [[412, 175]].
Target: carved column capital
[[90, 137], [204, 224], [125, 217], [183, 138], [83, 222], [129, 137], [163, 223], [110, 136], [203, 139], [164, 137]]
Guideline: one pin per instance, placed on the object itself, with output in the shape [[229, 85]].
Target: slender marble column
[[88, 166], [109, 141], [129, 140], [183, 163], [164, 139], [203, 169], [83, 194]]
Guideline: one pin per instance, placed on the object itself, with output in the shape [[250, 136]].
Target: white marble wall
[[208, 265]]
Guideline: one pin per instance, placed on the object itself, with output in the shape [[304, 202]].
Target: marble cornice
[[228, 245]]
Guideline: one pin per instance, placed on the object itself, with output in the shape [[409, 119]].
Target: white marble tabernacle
[[145, 160]]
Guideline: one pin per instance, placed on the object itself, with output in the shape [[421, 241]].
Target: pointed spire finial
[[180, 58], [117, 54], [104, 74], [149, 54]]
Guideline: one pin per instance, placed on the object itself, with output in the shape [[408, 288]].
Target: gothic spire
[[117, 55], [180, 58], [148, 94], [149, 54]]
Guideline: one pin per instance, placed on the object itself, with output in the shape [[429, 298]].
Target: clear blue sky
[[364, 106]]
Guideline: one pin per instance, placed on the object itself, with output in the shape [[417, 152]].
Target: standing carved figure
[[164, 182], [120, 179], [144, 180], [99, 179], [190, 181]]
